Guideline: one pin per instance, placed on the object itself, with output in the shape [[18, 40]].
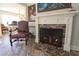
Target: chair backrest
[[23, 26]]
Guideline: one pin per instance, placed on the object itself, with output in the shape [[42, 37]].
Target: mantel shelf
[[60, 13]]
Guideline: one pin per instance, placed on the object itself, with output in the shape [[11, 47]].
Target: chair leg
[[10, 39], [17, 39], [26, 40], [11, 42]]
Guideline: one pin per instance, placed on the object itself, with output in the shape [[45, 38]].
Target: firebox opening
[[52, 34]]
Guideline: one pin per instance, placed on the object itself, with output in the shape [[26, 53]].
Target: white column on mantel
[[36, 26], [68, 32], [37, 32]]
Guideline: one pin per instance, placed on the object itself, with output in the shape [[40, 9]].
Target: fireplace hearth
[[52, 34]]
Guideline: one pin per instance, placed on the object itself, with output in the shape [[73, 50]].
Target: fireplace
[[52, 34], [57, 17]]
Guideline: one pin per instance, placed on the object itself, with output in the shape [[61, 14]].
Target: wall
[[14, 8], [28, 4], [75, 29]]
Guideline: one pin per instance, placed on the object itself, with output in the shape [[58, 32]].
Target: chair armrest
[[11, 30]]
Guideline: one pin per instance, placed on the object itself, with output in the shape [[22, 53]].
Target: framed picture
[[42, 7], [31, 12]]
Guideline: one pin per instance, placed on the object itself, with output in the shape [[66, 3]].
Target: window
[[7, 19]]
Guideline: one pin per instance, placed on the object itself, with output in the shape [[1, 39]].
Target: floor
[[18, 48], [42, 49], [32, 49]]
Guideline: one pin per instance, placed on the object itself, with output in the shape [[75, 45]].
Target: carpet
[[42, 49]]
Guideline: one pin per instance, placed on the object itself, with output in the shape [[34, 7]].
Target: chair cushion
[[19, 35]]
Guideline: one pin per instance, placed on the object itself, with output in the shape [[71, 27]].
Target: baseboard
[[75, 48]]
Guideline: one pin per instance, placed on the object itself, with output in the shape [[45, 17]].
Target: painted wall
[[75, 29], [28, 4], [14, 8]]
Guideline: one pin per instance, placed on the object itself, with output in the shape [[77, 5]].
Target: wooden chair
[[22, 32]]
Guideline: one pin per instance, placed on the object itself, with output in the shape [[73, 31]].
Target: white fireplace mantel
[[57, 18]]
